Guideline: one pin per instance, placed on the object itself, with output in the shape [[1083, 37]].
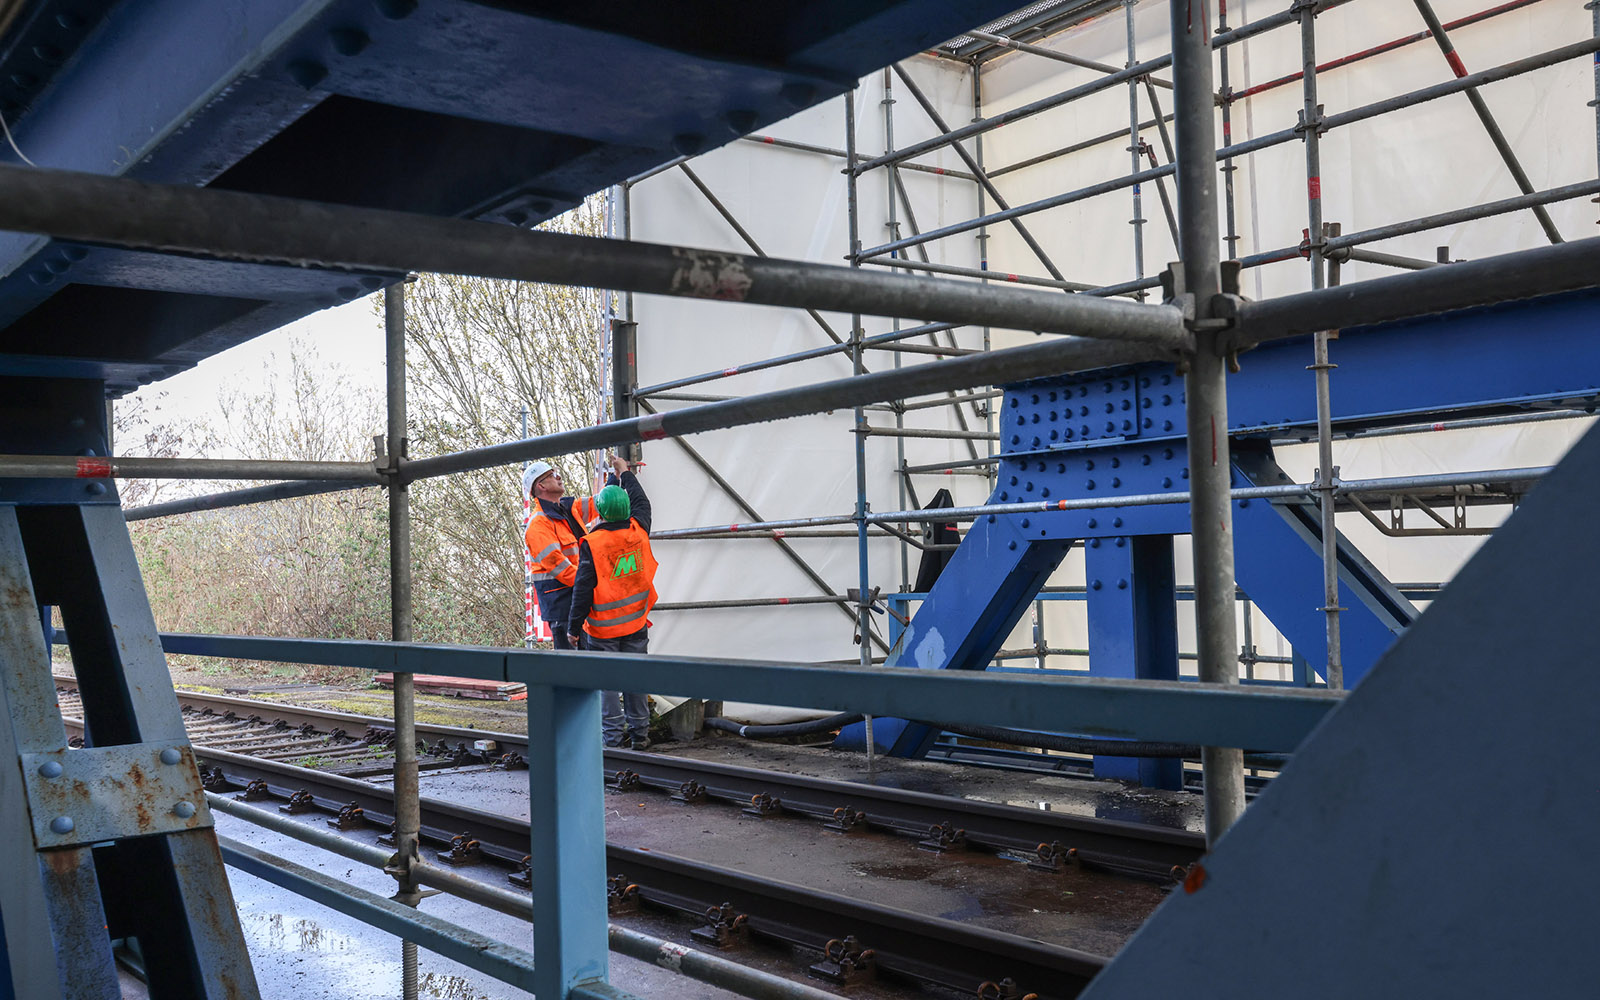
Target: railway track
[[254, 750]]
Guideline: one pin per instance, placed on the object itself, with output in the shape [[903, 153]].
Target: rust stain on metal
[[1196, 878], [705, 274]]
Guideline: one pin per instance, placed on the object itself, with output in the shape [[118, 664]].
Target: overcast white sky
[[349, 336]]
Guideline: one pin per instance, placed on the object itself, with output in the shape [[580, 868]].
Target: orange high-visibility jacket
[[553, 544], [624, 581]]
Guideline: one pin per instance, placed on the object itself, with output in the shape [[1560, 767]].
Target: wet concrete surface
[[305, 951]]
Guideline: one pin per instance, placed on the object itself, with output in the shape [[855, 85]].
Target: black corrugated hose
[[993, 734]]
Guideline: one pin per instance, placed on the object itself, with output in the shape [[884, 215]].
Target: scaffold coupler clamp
[[1224, 312], [390, 466]]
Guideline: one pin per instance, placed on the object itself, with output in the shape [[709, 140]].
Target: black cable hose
[[810, 728], [993, 734]]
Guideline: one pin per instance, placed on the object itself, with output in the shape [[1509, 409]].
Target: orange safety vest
[[624, 582], [552, 544]]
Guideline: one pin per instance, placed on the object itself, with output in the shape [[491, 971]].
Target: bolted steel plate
[[80, 797]]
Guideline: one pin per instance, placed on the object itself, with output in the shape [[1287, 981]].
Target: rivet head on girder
[[1166, 482], [1122, 585], [1036, 418], [1122, 542], [396, 10], [1089, 485], [1094, 585], [1011, 545], [1116, 463], [1025, 522], [1083, 411], [95, 489], [306, 72], [1021, 420], [1166, 425], [1116, 522], [1111, 408], [50, 769], [1013, 480], [1089, 464], [1185, 474], [1115, 482], [1243, 504], [1093, 523], [171, 755], [183, 810], [61, 824], [1052, 395], [349, 41], [798, 95], [1094, 543], [740, 120], [1036, 398]]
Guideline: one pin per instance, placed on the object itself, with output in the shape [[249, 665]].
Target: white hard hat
[[532, 474]]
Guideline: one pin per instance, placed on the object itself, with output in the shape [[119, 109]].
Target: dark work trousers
[[619, 707]]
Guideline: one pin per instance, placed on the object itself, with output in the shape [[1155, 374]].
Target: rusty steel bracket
[[844, 962], [690, 791], [846, 819], [1005, 989], [351, 817], [464, 850], [624, 779], [523, 876], [299, 802], [725, 927], [763, 805], [255, 791], [622, 896], [944, 837], [82, 797]]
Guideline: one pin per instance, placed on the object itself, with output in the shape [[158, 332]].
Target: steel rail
[[1133, 849], [231, 225], [927, 949]]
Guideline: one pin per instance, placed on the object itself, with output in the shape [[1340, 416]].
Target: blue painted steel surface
[[566, 815], [1379, 789], [1121, 431], [509, 112], [1179, 712]]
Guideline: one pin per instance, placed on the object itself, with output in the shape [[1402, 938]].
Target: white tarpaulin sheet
[[793, 203]]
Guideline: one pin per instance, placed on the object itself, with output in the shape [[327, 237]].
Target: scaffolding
[[1201, 323], [1324, 257]]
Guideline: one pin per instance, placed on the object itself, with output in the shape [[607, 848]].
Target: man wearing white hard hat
[[556, 524]]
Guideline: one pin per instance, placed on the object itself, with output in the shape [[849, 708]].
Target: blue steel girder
[[1120, 431], [493, 109]]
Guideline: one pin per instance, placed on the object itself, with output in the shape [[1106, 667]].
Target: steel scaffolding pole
[[863, 567], [1206, 395], [977, 171], [1503, 72], [407, 804], [750, 241], [1311, 127], [232, 225], [1228, 169], [1135, 152], [1481, 107]]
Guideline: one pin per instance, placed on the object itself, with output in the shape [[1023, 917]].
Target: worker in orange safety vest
[[612, 597], [554, 527]]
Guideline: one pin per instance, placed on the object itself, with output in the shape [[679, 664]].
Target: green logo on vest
[[629, 563]]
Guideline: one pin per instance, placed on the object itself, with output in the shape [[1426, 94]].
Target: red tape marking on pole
[[650, 428], [1454, 58], [94, 468]]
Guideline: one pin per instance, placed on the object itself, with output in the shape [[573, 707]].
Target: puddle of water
[[285, 933], [433, 984]]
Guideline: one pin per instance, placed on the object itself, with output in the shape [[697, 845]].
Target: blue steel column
[[566, 818], [54, 940], [1210, 467], [1133, 632]]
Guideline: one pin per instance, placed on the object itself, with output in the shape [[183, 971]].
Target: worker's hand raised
[[619, 465]]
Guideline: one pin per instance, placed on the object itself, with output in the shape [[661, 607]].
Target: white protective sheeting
[[1423, 160]]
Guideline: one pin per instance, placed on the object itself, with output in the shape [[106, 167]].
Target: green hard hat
[[612, 503]]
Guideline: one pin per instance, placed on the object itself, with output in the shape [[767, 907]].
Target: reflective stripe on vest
[[624, 588]]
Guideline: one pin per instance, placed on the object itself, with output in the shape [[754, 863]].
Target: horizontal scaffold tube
[[1508, 277], [1503, 72], [1287, 491], [341, 475], [232, 225], [241, 498]]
